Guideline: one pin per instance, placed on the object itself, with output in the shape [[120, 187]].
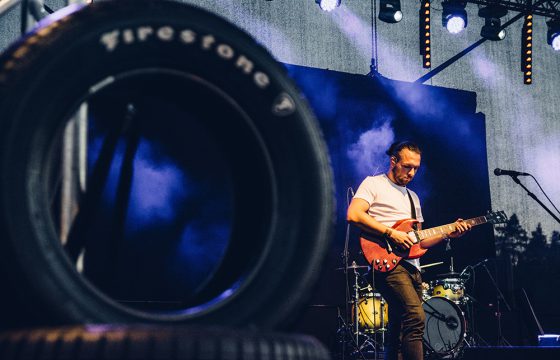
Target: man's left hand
[[461, 227]]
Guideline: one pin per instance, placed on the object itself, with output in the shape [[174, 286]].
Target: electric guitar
[[384, 256]]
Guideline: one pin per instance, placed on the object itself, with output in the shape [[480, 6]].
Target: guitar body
[[382, 258]]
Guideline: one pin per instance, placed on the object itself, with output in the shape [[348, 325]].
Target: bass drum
[[445, 328]]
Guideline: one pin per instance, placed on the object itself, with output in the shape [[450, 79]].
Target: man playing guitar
[[379, 203]]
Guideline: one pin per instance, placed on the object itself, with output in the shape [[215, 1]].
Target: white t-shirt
[[389, 202]]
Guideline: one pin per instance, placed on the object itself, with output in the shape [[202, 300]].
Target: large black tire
[[280, 235], [156, 342]]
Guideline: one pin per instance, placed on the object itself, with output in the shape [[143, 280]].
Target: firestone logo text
[[113, 39]]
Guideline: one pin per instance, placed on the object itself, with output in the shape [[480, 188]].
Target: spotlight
[[454, 16], [527, 50], [553, 34], [492, 23], [491, 30], [328, 5], [390, 11]]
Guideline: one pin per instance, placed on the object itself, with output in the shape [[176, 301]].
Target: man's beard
[[400, 181]]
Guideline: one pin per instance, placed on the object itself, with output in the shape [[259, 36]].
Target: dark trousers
[[402, 289]]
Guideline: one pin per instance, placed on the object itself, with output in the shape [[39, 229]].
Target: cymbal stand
[[468, 306], [351, 330], [381, 314], [383, 328], [368, 341], [356, 324], [356, 307], [346, 330]]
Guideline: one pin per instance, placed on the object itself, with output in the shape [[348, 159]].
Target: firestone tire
[[283, 232]]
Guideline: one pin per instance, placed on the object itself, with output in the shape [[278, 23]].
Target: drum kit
[[446, 304]]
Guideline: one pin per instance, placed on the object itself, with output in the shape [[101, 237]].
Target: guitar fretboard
[[449, 228]]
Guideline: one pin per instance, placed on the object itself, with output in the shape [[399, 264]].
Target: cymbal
[[327, 306], [353, 266], [448, 275]]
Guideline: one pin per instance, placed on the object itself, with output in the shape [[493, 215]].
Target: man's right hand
[[401, 239]]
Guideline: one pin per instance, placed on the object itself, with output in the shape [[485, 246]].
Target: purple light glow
[[368, 153], [159, 186]]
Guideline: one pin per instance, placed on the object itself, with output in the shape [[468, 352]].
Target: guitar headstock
[[496, 217]]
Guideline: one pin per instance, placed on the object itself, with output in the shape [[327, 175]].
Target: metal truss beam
[[546, 8]]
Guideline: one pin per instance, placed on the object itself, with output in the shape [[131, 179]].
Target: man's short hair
[[397, 146]]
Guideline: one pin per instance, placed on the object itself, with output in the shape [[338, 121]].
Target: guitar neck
[[449, 228]]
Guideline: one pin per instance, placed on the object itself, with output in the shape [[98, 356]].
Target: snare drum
[[449, 288], [373, 313]]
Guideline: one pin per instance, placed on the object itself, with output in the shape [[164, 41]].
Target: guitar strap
[[412, 210]]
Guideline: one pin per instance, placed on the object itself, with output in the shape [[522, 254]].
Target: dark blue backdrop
[[362, 116]]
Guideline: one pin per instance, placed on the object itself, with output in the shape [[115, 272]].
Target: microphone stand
[[500, 296], [514, 178]]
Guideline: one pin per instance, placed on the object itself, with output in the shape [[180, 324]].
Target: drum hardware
[[469, 301], [370, 308], [344, 331], [426, 291], [368, 317], [360, 340], [344, 328]]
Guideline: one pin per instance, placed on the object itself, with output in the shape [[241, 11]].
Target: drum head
[[445, 326]]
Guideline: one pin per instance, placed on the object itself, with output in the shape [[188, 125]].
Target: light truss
[[546, 8]]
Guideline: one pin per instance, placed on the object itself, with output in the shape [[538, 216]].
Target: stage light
[[454, 16], [328, 5], [553, 34], [527, 50], [425, 33], [390, 11], [491, 30], [455, 24], [555, 42], [492, 23]]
